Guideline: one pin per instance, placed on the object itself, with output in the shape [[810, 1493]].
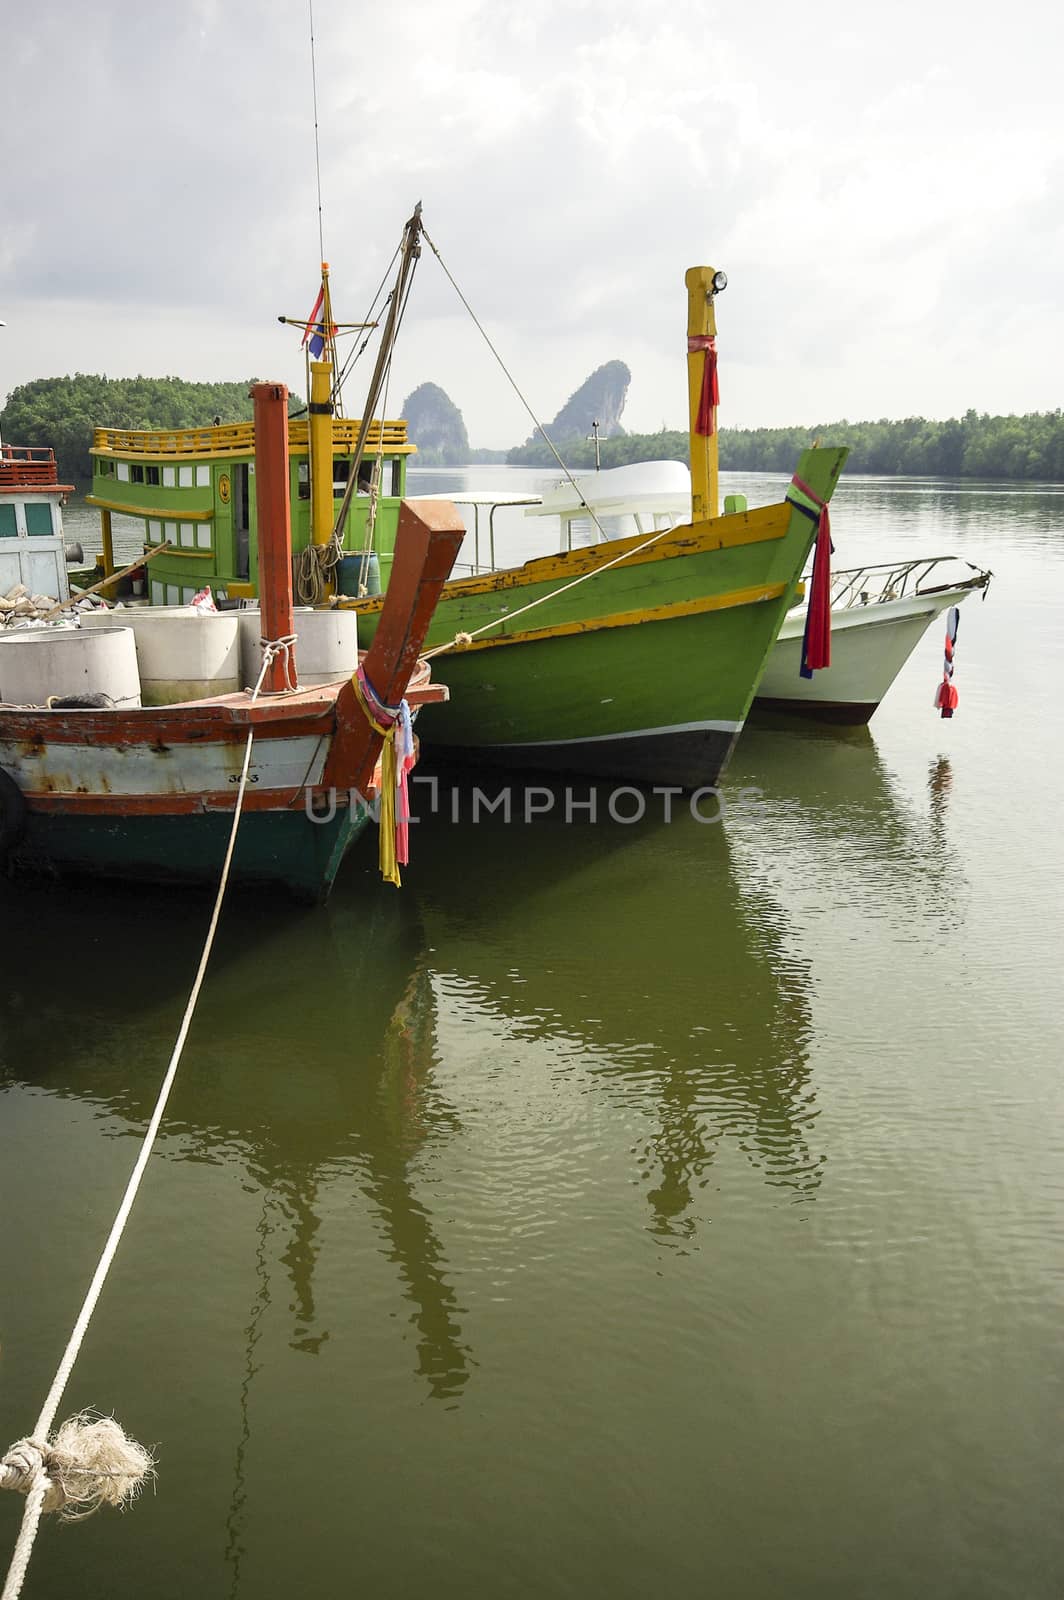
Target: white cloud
[[885, 199]]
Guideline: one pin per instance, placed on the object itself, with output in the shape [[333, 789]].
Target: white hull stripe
[[283, 764]]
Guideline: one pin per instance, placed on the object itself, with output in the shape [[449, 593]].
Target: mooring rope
[[39, 1466], [462, 639]]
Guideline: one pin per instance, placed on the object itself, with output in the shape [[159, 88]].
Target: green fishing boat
[[635, 658]]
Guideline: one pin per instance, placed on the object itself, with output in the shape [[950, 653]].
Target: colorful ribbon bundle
[[816, 642], [946, 696], [394, 725], [710, 398]]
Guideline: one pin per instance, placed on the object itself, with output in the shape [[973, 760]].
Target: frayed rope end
[[90, 1462]]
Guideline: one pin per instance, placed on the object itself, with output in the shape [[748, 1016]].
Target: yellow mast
[[108, 556], [703, 285]]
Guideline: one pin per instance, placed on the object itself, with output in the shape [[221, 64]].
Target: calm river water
[[625, 1210]]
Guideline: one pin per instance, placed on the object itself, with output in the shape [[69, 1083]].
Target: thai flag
[[314, 332]]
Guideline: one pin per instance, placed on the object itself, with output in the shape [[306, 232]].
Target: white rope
[[461, 639], [16, 1463], [272, 649]]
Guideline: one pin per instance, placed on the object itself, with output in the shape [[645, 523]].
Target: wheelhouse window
[[38, 520]]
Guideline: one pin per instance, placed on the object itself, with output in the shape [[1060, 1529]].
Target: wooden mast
[[701, 326], [410, 251], [275, 528], [320, 429]]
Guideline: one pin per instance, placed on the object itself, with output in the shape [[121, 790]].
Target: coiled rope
[[313, 569], [90, 1461]]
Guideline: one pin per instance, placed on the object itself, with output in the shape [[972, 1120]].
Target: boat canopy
[[643, 488]]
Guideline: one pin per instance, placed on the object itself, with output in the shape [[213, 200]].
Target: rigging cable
[[317, 150], [513, 385]]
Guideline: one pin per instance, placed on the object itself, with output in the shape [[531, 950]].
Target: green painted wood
[[273, 847], [608, 681]]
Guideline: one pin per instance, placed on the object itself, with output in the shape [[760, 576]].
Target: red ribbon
[[946, 699], [946, 696], [705, 423], [402, 813], [816, 646]]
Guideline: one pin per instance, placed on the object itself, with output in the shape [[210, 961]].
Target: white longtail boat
[[879, 613]]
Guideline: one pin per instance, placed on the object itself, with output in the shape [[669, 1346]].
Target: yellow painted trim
[[752, 596], [184, 555], [238, 590], [723, 533], [155, 513], [133, 452]]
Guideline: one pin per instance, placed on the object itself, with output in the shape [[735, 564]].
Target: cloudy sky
[[884, 186]]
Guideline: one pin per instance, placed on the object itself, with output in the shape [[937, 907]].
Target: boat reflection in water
[[665, 971], [310, 1064], [668, 968], [653, 977], [834, 831]]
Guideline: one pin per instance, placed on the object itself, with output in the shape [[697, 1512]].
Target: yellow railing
[[238, 439]]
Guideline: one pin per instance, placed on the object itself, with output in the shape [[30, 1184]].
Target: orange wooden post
[[275, 526]]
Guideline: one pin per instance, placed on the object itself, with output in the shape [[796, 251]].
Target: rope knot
[[22, 1465], [90, 1463], [271, 649]]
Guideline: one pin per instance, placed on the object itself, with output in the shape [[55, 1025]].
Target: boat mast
[[320, 428], [410, 250], [703, 285]]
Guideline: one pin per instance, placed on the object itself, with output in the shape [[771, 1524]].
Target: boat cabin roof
[[228, 439], [30, 469], [643, 488]]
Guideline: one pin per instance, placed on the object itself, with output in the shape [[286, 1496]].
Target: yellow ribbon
[[386, 857], [388, 864]]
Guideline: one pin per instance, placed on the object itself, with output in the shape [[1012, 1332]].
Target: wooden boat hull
[[869, 646], [272, 848], [663, 703], [150, 792], [645, 672]]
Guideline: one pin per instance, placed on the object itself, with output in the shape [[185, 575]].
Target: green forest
[[62, 412], [973, 446]]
